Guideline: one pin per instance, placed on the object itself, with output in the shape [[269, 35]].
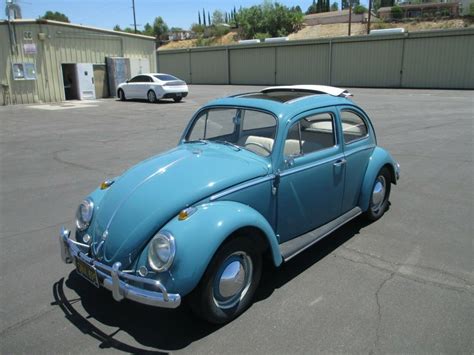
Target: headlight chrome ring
[[161, 251], [84, 214]]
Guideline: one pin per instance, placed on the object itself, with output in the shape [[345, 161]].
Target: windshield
[[241, 128]]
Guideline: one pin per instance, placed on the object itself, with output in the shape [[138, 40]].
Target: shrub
[[359, 9], [397, 12]]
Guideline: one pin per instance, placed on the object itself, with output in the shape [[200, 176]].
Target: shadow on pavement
[[174, 329]]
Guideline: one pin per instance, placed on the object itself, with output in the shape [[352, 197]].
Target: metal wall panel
[[209, 67], [62, 44], [176, 64], [368, 63], [252, 66], [305, 64], [439, 62]]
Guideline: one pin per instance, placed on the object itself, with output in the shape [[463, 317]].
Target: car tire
[[219, 299], [177, 99], [379, 196], [151, 96], [121, 95]]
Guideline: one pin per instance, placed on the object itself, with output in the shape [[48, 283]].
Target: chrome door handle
[[340, 162]]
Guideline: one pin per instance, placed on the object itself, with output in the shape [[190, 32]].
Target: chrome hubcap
[[233, 280], [151, 96], [378, 194]]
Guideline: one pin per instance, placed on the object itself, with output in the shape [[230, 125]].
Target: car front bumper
[[123, 285]]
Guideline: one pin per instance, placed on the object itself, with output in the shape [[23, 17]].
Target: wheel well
[[392, 173], [259, 237]]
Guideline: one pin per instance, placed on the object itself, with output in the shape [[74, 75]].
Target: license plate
[[88, 272]]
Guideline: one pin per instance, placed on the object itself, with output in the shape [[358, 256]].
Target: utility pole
[[134, 18], [350, 17], [368, 20]]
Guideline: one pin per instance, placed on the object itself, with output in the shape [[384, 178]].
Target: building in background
[[429, 10], [341, 16], [50, 61]]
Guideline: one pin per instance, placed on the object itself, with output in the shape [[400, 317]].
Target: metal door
[[100, 81], [85, 79]]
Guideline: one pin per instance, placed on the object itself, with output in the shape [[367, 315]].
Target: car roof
[[287, 101]]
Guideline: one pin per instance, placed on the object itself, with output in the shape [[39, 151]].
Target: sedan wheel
[[121, 95], [229, 283], [151, 96]]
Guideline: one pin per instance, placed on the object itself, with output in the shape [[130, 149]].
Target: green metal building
[[50, 61]]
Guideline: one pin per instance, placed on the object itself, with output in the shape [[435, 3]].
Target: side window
[[353, 126], [311, 134], [135, 79]]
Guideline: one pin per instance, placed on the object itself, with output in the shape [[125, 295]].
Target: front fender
[[379, 158], [199, 237]]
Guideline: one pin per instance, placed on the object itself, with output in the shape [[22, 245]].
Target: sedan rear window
[[165, 77]]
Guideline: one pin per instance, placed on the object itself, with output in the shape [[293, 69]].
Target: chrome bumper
[[397, 171], [120, 283]]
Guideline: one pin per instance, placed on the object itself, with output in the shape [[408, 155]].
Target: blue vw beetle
[[261, 174]]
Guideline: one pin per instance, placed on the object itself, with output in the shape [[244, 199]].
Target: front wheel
[[380, 194], [121, 95], [151, 96], [229, 283]]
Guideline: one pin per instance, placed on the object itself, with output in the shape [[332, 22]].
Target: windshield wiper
[[203, 141], [228, 143]]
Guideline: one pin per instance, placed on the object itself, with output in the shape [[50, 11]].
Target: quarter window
[[311, 134], [353, 126]]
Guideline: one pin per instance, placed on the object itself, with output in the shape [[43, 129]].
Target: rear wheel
[[121, 95], [229, 283], [177, 99], [380, 195], [151, 96]]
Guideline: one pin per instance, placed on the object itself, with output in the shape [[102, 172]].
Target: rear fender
[[379, 158]]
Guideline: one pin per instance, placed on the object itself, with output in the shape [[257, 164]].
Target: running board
[[296, 245]]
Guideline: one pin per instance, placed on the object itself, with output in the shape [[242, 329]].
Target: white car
[[153, 86]]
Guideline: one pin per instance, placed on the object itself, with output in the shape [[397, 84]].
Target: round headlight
[[161, 251], [84, 214]]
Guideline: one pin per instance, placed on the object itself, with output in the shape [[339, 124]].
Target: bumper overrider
[[122, 285]]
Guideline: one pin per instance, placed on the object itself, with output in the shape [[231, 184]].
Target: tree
[[117, 28], [217, 17], [387, 3], [334, 6], [204, 16], [199, 17], [359, 9], [344, 4], [55, 16], [269, 19], [209, 18], [397, 12], [148, 30], [159, 27]]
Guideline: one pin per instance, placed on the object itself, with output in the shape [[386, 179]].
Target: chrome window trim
[[241, 187], [363, 120]]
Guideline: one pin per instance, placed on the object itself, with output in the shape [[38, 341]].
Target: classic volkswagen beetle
[[262, 174]]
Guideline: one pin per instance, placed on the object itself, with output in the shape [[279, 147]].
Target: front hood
[[148, 195]]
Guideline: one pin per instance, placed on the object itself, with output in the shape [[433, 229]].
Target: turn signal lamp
[[186, 213], [106, 184]]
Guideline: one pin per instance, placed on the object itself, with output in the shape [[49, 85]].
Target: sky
[[108, 13]]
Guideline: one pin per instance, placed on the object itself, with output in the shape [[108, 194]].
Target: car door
[[311, 178], [130, 88], [143, 86], [358, 145]]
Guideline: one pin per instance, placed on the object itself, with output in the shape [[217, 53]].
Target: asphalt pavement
[[403, 284]]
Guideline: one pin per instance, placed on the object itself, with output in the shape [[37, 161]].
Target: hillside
[[330, 30]]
